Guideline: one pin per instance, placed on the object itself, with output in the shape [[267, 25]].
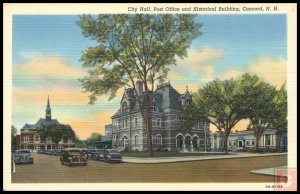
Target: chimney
[[139, 87]]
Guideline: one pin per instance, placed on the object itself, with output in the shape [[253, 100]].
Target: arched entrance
[[124, 141], [179, 141], [188, 142], [195, 142]]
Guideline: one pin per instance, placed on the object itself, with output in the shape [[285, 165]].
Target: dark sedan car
[[110, 155], [73, 156]]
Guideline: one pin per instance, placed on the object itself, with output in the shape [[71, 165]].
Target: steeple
[[48, 110]]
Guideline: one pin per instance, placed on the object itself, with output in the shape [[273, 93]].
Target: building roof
[[41, 122], [165, 96]]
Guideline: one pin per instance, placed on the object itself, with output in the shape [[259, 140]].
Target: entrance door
[[240, 144]]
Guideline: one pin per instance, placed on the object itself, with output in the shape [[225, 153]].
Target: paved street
[[47, 169]]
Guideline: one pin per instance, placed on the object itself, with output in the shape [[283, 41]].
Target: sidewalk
[[195, 158], [268, 171]]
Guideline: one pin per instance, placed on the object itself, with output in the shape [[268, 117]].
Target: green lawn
[[166, 154]]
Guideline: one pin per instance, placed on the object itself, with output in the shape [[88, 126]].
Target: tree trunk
[[257, 141], [225, 144], [279, 140], [149, 124]]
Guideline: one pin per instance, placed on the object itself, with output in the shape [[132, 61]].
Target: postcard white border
[[67, 9]]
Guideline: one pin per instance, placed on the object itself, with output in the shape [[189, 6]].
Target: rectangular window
[[26, 139], [233, 143], [126, 121], [230, 143], [158, 122], [135, 121], [267, 140], [253, 142], [36, 147], [123, 124], [247, 142]]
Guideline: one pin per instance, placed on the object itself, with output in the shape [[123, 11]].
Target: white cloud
[[272, 70]]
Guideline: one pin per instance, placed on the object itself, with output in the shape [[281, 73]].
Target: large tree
[[220, 102], [280, 122], [130, 48], [259, 97], [57, 133]]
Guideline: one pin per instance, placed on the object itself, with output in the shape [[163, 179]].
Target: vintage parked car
[[110, 155], [23, 157], [73, 156]]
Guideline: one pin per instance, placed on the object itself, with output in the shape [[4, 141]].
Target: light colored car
[[23, 157]]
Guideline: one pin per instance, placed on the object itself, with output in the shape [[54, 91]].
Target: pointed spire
[[187, 89], [48, 110], [48, 104]]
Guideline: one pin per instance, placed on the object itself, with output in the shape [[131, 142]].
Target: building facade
[[271, 139], [29, 138], [129, 130], [106, 141]]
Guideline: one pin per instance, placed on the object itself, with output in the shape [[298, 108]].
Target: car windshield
[[74, 152], [113, 151], [23, 152]]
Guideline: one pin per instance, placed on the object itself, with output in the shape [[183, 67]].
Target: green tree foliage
[[220, 103], [94, 140], [13, 138], [131, 48], [80, 143], [57, 133], [259, 97], [280, 120], [280, 102]]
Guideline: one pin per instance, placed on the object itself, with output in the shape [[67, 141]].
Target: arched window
[[124, 107], [136, 139], [158, 139]]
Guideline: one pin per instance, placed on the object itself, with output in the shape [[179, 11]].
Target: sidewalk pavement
[[268, 171], [156, 160]]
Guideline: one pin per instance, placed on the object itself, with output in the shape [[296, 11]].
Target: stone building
[[271, 139], [129, 130]]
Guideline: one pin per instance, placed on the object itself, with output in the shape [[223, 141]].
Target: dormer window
[[124, 107], [154, 106]]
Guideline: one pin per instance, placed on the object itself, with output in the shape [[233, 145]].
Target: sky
[[47, 49]]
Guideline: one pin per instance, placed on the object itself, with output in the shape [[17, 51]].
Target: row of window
[[268, 141], [157, 139], [38, 147], [37, 138], [124, 122], [125, 107], [247, 143]]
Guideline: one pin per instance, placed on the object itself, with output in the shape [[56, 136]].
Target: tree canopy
[[133, 47], [57, 132]]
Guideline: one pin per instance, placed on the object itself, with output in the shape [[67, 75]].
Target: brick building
[[29, 139]]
